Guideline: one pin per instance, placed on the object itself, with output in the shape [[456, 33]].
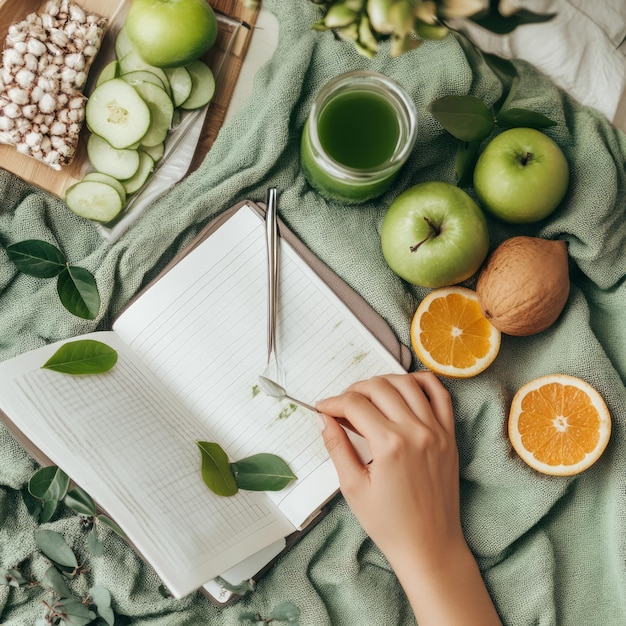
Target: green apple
[[521, 176], [169, 33], [434, 235]]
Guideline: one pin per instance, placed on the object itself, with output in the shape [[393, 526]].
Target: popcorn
[[45, 63]]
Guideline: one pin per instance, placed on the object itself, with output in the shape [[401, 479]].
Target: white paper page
[[202, 330], [131, 446]]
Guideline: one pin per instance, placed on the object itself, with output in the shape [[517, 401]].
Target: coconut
[[524, 285]]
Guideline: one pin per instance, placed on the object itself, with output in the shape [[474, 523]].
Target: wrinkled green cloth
[[552, 550]]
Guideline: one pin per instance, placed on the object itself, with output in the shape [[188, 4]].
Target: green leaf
[[507, 74], [34, 506], [285, 612], [37, 258], [53, 545], [241, 589], [56, 581], [13, 578], [109, 523], [48, 509], [513, 118], [465, 117], [502, 25], [85, 356], [94, 543], [216, 472], [81, 502], [74, 613], [464, 162], [102, 599], [49, 483], [262, 472], [78, 291]]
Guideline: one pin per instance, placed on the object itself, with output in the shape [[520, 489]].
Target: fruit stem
[[526, 157], [433, 232]]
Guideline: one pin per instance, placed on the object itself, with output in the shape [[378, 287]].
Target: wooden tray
[[226, 57]]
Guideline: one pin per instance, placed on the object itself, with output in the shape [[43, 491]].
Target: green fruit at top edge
[[169, 33], [521, 176], [434, 235]]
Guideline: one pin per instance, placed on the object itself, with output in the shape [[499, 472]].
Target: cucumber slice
[[180, 84], [161, 112], [123, 44], [117, 113], [109, 71], [99, 177], [146, 166], [156, 152], [120, 164], [132, 62], [202, 85], [94, 200], [142, 76]]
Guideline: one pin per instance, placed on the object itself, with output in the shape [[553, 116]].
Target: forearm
[[448, 589]]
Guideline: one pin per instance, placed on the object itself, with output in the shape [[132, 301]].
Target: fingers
[[343, 455], [440, 400], [398, 398]]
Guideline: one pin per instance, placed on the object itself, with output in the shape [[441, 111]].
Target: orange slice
[[451, 336], [559, 424]]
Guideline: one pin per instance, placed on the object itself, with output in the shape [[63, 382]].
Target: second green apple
[[434, 235], [521, 176]]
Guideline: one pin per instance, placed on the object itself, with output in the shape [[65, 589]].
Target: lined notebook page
[[130, 444], [202, 330]]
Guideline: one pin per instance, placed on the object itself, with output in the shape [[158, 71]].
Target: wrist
[[445, 586]]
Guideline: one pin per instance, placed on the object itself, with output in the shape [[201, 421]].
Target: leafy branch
[[285, 612], [470, 120], [76, 286], [366, 23]]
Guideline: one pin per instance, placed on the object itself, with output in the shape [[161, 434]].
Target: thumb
[[340, 449]]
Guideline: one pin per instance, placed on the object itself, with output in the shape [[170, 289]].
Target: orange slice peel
[[559, 424], [451, 336]]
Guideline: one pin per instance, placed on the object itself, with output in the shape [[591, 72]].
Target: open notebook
[[190, 349]]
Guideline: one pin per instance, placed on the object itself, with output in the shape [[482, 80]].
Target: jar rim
[[395, 94]]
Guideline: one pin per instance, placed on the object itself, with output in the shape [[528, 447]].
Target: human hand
[[408, 496]]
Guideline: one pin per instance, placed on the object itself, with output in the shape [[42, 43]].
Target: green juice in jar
[[361, 130]]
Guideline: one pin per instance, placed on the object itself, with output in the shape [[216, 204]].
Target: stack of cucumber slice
[[130, 113]]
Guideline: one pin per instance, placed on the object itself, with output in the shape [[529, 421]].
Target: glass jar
[[360, 131]]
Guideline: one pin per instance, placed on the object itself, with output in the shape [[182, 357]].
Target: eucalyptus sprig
[[63, 608], [76, 286], [259, 472], [286, 612], [471, 121], [408, 22]]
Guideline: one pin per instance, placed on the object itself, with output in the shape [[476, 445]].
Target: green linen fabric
[[552, 550]]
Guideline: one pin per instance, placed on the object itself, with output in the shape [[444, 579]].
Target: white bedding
[[582, 49]]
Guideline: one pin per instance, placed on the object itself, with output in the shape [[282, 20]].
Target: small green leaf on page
[[78, 292], [262, 472], [37, 258], [81, 502], [85, 356], [53, 545], [216, 471]]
